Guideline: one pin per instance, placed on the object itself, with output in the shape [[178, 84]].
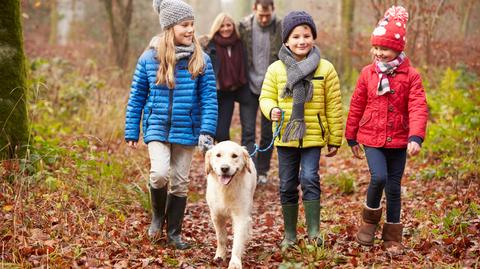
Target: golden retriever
[[231, 183]]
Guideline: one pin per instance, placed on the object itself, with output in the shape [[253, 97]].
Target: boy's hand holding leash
[[276, 114]]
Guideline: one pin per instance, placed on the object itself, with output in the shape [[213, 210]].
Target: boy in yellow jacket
[[306, 89]]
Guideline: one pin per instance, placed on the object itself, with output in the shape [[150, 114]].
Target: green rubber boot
[[312, 217], [290, 216]]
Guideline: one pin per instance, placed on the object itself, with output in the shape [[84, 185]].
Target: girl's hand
[[332, 151], [357, 151], [413, 148], [132, 144], [276, 114]]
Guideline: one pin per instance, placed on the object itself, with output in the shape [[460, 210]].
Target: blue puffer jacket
[[176, 115]]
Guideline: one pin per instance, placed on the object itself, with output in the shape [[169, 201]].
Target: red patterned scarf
[[384, 69]]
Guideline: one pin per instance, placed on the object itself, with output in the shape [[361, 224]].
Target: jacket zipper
[[170, 107], [193, 123], [148, 117], [321, 126]]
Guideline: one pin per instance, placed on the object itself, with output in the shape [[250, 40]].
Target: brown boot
[[392, 238], [366, 232]]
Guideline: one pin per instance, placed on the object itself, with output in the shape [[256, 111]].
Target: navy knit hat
[[294, 19]]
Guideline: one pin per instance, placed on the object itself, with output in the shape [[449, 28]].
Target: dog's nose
[[224, 168]]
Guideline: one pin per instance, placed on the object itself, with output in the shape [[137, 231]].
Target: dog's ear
[[246, 159], [208, 166]]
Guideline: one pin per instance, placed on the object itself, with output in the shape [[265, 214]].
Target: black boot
[[158, 199], [175, 213]]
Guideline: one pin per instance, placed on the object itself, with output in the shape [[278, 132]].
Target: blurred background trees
[[119, 19], [440, 32]]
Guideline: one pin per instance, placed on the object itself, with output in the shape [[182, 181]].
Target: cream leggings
[[170, 163]]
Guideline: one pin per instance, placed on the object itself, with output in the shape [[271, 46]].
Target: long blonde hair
[[167, 60], [217, 24]]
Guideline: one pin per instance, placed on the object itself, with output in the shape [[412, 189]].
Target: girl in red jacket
[[388, 116]]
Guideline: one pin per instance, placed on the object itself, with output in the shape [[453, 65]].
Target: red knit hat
[[391, 29]]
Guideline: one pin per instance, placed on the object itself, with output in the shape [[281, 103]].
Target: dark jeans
[[226, 104], [386, 171], [298, 166], [248, 117], [248, 114]]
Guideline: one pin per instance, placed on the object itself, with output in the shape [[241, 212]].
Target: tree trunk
[[414, 27], [53, 22], [467, 12], [13, 109], [348, 9], [119, 18], [431, 24]]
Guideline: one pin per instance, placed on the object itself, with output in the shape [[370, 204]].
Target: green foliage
[[345, 182], [61, 96], [305, 255], [171, 262], [453, 132], [65, 104], [142, 195]]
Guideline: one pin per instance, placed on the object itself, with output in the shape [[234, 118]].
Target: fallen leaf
[[7, 208]]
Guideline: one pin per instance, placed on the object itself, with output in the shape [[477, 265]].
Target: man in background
[[261, 36]]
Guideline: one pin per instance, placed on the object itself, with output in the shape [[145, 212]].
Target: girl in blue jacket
[[173, 92]]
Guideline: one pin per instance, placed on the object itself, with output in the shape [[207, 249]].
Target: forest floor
[[53, 224]]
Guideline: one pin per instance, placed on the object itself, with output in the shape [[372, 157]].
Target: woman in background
[[226, 51]]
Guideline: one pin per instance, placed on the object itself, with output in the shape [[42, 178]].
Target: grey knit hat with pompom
[[172, 12]]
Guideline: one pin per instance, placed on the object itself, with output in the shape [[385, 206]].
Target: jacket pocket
[[192, 124], [404, 123], [147, 113], [365, 119], [321, 126]]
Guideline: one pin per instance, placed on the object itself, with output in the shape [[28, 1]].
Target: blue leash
[[275, 135]]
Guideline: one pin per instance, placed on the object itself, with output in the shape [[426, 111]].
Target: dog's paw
[[235, 263], [218, 260], [220, 254]]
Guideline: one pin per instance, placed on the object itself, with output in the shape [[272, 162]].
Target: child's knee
[[179, 190], [379, 178], [393, 191], [310, 179], [158, 179]]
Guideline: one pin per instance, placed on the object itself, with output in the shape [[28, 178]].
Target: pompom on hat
[[172, 12], [391, 29]]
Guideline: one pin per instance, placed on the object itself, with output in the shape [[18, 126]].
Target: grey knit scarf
[[184, 51], [299, 87]]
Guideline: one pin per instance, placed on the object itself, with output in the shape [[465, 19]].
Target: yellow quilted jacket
[[323, 114]]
